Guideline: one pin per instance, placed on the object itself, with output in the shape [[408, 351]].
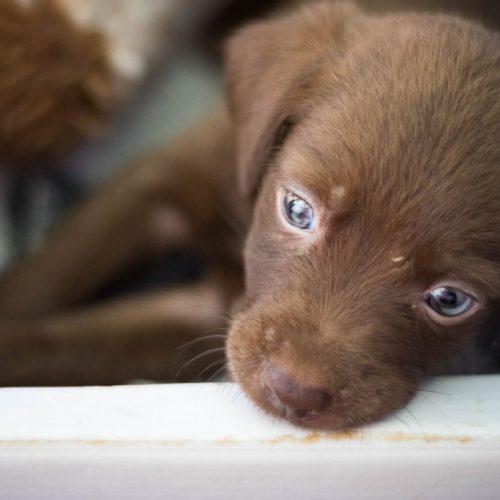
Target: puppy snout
[[291, 399]]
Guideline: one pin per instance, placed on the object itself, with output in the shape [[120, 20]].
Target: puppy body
[[387, 128]]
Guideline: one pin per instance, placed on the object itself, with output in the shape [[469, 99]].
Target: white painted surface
[[208, 441]]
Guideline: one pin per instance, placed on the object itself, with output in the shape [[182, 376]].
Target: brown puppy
[[370, 145], [368, 175]]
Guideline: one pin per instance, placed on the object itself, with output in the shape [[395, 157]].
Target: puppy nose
[[293, 400]]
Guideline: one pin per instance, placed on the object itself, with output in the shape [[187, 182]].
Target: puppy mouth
[[326, 412], [285, 411], [328, 396], [314, 406], [289, 399]]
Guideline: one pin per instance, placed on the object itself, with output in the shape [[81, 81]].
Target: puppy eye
[[297, 211], [449, 301]]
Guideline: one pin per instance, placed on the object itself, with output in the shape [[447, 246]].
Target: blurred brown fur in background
[[56, 86]]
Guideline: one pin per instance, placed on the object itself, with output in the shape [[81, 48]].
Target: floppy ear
[[270, 71]]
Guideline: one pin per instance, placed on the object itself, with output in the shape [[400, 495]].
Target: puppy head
[[370, 148]]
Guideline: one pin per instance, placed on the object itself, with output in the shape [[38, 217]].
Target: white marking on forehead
[[269, 334], [397, 260], [337, 193]]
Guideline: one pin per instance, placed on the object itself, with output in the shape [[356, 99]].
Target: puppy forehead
[[306, 165], [385, 93], [414, 199]]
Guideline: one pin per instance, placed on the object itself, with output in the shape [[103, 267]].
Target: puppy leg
[[135, 338], [182, 195]]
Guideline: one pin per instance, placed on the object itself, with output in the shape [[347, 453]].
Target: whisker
[[211, 365], [435, 392], [199, 339], [217, 372], [201, 355], [432, 402], [400, 419], [417, 421]]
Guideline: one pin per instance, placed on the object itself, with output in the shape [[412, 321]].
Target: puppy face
[[370, 148]]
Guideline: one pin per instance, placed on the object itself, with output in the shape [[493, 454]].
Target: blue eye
[[448, 301], [297, 211]]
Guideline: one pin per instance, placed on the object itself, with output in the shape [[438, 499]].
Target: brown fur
[[406, 126], [391, 125], [56, 85]]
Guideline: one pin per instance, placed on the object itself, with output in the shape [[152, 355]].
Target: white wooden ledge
[[208, 441]]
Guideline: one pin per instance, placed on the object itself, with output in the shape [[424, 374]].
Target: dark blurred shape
[[487, 11], [230, 15], [173, 268], [233, 13]]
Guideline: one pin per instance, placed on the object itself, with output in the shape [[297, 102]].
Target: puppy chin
[[322, 397]]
